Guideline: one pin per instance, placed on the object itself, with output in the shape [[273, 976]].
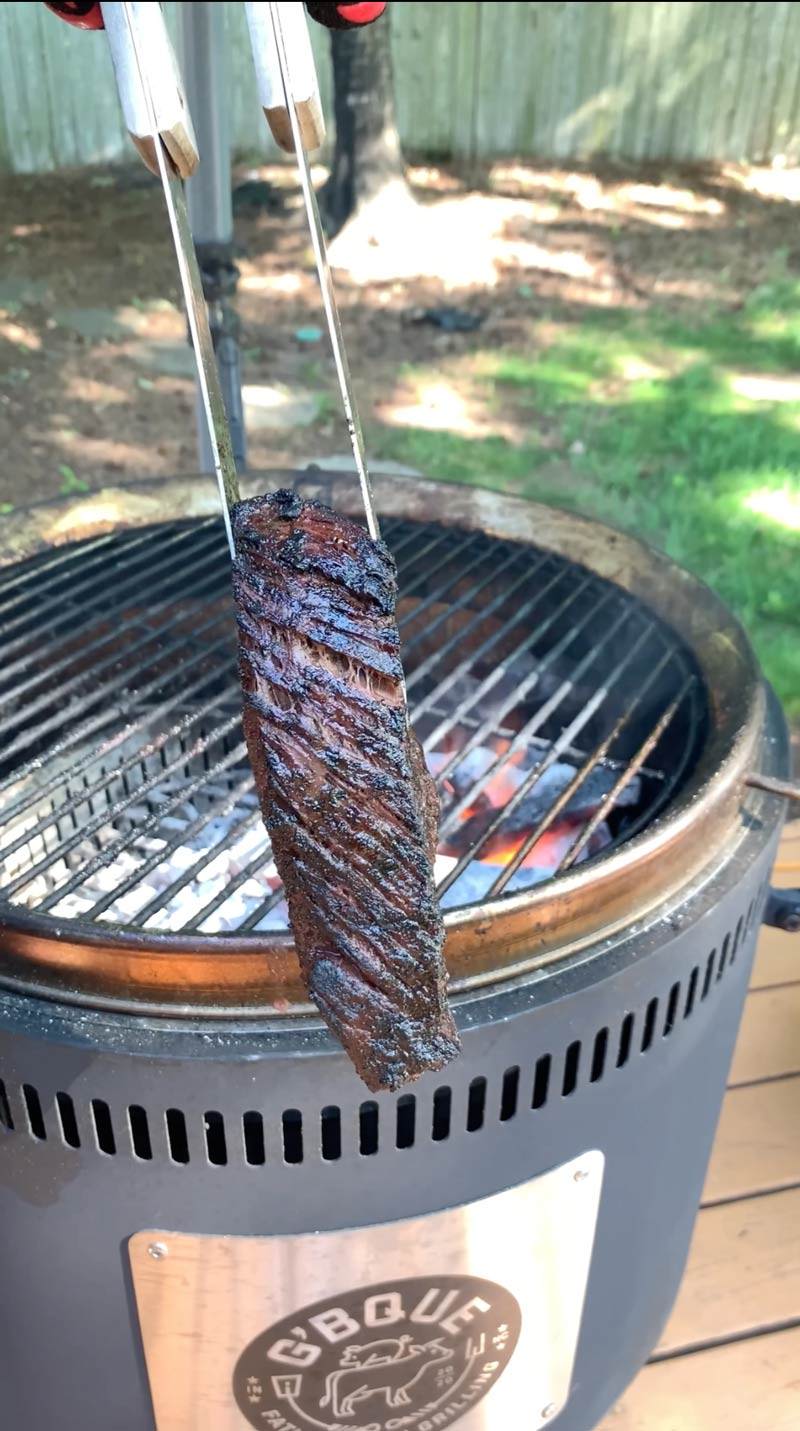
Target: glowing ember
[[214, 872], [547, 853]]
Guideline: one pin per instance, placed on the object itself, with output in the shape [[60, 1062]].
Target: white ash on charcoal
[[239, 883], [239, 831]]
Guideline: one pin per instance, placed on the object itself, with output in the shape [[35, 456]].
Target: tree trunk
[[367, 156]]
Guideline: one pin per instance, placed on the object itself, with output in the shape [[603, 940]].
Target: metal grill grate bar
[[205, 860], [87, 729], [520, 742], [575, 752], [94, 557], [201, 916], [110, 693], [520, 693], [625, 778], [41, 613], [151, 633], [258, 916], [144, 720], [434, 699], [181, 838], [37, 567], [437, 598], [581, 775], [152, 823], [436, 657], [119, 807], [131, 728]]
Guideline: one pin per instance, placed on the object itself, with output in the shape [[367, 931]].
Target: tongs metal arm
[[280, 23]]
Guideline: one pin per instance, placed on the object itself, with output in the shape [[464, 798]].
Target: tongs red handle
[[81, 13], [343, 16]]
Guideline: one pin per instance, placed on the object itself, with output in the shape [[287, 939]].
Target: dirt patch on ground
[[95, 383]]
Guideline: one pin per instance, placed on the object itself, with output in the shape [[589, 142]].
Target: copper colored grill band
[[123, 690]]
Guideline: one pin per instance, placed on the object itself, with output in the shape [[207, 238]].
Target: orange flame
[[545, 854]]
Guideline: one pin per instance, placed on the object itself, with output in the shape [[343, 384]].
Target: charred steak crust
[[350, 807]]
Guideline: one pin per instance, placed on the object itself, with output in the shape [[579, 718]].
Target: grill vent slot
[[255, 1152], [292, 1125], [33, 1109], [476, 1105], [509, 1097], [572, 1064], [406, 1120], [103, 1127], [216, 1142], [442, 1109], [6, 1121], [610, 1048], [599, 1056], [541, 1081], [331, 1134], [139, 1125], [672, 1009], [724, 954], [625, 1040], [67, 1120], [177, 1141], [368, 1129], [691, 993], [649, 1024]]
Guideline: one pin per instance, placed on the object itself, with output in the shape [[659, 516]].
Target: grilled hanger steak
[[350, 807]]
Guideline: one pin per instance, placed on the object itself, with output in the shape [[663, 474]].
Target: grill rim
[[499, 938]]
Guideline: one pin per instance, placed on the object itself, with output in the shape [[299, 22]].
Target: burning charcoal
[[540, 864], [510, 775], [582, 805]]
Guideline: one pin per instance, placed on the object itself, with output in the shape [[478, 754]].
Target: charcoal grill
[[188, 1158]]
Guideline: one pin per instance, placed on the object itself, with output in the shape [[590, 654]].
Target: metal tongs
[[157, 116]]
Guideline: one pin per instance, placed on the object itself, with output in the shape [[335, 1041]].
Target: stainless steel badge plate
[[468, 1316]]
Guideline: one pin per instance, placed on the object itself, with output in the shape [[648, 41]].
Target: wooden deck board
[[777, 960], [732, 1344], [769, 1040], [743, 1272], [778, 956], [749, 1385], [758, 1142]]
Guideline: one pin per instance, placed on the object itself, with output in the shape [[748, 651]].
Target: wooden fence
[[556, 79]]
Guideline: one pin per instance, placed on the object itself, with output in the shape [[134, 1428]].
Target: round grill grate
[[557, 713]]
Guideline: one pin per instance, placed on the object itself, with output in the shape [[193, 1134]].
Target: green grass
[[664, 426]]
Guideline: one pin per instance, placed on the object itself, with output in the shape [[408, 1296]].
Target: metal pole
[[208, 193]]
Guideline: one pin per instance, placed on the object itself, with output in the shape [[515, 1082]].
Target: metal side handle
[[782, 910]]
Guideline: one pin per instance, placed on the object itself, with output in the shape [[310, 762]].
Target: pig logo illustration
[[410, 1355], [390, 1369]]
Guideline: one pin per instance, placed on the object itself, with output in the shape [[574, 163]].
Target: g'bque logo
[[401, 1356]]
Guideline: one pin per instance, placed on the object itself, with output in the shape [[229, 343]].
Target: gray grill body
[[625, 1048]]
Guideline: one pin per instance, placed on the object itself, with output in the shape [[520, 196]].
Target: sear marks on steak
[[346, 797]]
